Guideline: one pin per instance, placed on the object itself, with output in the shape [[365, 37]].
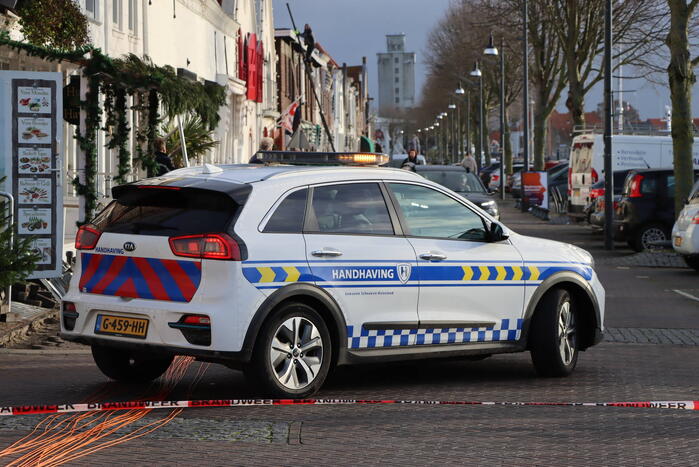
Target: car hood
[[536, 249], [476, 198]]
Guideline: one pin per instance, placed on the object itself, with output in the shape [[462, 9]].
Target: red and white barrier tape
[[135, 405]]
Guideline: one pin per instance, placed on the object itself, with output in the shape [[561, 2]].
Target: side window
[[353, 208], [429, 213], [670, 188], [289, 215], [649, 185]]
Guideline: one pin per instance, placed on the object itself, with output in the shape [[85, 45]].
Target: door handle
[[433, 256], [326, 253]]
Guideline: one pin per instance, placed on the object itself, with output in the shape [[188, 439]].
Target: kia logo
[[129, 246]]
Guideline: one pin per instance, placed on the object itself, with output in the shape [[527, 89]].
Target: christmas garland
[[118, 78]]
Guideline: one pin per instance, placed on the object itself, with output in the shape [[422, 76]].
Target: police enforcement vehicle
[[286, 271]]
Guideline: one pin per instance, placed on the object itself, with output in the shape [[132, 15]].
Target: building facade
[[396, 76]]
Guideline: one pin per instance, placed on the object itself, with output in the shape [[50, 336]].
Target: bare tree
[[579, 25], [681, 78]]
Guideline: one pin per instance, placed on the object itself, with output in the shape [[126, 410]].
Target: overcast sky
[[350, 29]]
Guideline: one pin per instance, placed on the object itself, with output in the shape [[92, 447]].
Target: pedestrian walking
[[163, 163], [469, 163]]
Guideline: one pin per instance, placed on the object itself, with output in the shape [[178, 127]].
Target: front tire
[[130, 366], [293, 352], [692, 261], [554, 334]]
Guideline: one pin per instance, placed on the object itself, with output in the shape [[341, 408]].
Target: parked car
[[646, 212], [630, 152], [467, 184], [596, 196], [558, 181], [685, 232], [486, 173]]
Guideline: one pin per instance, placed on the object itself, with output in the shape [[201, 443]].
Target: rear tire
[[640, 239], [692, 261], [293, 353], [130, 366], [554, 334]]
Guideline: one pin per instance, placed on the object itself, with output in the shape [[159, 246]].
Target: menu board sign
[[31, 145]]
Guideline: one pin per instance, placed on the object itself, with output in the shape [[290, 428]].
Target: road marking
[[687, 295], [623, 267]]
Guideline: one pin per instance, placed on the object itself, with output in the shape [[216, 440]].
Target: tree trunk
[[541, 118], [576, 97], [508, 146], [681, 78]]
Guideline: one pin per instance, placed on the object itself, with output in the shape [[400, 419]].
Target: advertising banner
[[536, 189], [31, 145]]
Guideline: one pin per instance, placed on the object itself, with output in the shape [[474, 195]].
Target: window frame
[[132, 17], [404, 223], [118, 22], [92, 15], [310, 222], [273, 209]]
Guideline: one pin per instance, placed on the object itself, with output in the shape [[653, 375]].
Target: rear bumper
[[689, 240], [214, 356]]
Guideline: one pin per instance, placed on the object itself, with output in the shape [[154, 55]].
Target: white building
[[396, 76]]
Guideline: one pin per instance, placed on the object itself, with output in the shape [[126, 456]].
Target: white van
[[628, 152]]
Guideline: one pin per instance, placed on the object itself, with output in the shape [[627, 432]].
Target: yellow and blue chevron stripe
[[386, 275]]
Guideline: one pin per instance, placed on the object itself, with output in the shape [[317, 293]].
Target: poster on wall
[[32, 99], [536, 188], [31, 149]]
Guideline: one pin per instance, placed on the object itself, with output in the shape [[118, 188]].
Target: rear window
[[167, 212]]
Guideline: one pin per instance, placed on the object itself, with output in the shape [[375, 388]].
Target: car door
[[470, 289], [354, 254]]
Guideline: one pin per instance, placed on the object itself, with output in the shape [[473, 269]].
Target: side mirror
[[496, 233]]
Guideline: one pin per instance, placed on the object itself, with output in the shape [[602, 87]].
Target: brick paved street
[[650, 354]]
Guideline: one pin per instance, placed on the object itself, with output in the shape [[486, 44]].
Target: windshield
[[694, 195], [461, 182], [581, 157]]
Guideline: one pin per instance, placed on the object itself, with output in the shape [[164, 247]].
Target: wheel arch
[[582, 293], [313, 296]]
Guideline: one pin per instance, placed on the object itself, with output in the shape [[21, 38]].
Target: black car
[[558, 181], [467, 184], [646, 211], [594, 211]]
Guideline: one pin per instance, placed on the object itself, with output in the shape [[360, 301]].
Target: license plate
[[678, 241], [121, 326]]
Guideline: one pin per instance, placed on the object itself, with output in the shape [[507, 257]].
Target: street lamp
[[459, 92], [476, 73], [452, 131], [492, 51]]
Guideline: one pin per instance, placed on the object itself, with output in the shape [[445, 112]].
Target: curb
[[20, 328]]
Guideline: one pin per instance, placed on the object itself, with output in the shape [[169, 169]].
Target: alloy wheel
[[652, 235], [566, 333], [296, 353]]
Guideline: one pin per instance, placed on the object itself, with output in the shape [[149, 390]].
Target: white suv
[[286, 271], [685, 233]]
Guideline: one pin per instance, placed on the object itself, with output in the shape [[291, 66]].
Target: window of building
[[133, 9], [397, 100], [397, 79], [396, 71], [397, 90], [116, 13], [91, 9], [395, 59]]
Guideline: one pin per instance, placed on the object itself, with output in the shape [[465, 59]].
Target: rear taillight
[[570, 181], [87, 237], [70, 315], [206, 246], [635, 188], [596, 193], [595, 177], [695, 219], [495, 178], [198, 320]]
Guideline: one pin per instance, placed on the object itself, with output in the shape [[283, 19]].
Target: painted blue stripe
[[139, 281], [100, 272], [192, 270], [280, 274], [465, 284], [169, 284], [252, 274]]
